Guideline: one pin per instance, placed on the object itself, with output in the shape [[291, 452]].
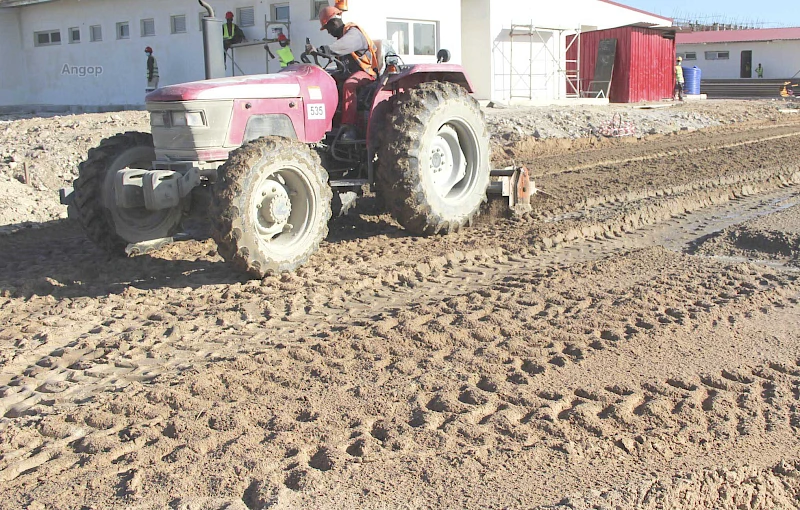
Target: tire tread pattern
[[236, 242], [399, 168]]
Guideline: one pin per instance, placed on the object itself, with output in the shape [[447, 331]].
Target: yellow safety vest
[[286, 55], [228, 33], [679, 74]]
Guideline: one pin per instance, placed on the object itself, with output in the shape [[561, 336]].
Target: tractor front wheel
[[433, 166], [271, 206], [105, 223]]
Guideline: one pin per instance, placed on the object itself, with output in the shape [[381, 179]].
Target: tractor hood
[[285, 84]]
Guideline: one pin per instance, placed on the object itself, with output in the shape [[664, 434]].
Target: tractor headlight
[[190, 119], [159, 119]]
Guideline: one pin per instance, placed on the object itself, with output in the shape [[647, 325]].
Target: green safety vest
[[226, 34], [679, 74], [286, 55]]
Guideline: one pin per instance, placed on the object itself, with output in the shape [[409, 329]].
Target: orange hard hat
[[281, 37], [229, 15], [327, 14], [341, 5]]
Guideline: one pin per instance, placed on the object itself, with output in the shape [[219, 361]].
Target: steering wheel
[[329, 57]]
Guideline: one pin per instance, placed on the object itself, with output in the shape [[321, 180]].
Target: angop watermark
[[81, 71]]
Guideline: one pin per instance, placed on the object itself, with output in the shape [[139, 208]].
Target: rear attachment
[[511, 190]]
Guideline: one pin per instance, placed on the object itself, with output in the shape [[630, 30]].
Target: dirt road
[[633, 343]]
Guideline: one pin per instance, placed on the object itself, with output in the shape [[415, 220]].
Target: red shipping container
[[643, 67]]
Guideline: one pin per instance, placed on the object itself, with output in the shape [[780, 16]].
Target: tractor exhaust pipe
[[212, 44]]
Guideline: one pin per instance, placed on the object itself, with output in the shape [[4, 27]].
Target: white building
[[90, 53], [735, 54]]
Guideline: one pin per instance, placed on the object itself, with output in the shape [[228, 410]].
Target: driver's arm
[[350, 42]]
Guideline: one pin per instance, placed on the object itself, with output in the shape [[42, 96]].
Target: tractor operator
[[360, 58]]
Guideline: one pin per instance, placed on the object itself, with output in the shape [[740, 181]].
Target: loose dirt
[[613, 349]]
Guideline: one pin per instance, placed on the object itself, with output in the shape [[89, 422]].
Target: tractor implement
[[515, 185]]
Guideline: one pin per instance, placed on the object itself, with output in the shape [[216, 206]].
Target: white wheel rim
[[454, 160], [138, 218], [283, 208]]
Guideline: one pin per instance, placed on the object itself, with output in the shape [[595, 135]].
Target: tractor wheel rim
[[138, 217], [283, 208], [454, 158]]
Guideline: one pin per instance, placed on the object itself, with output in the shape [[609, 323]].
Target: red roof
[[729, 36]]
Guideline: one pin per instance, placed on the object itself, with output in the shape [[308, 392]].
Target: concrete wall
[[476, 45], [780, 59], [12, 60], [180, 56]]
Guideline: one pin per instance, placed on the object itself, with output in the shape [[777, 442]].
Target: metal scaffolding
[[548, 72], [275, 27]]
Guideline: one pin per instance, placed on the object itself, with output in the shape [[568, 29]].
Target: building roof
[[731, 36], [636, 10]]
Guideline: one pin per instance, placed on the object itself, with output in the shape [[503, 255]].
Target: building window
[[148, 27], [718, 55], [47, 38], [418, 38], [74, 35], [689, 55], [246, 16], [95, 33], [123, 30], [178, 24], [280, 12], [316, 6]]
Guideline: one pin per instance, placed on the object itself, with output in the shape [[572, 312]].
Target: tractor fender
[[421, 73]]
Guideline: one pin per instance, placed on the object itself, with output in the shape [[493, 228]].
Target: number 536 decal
[[315, 111]]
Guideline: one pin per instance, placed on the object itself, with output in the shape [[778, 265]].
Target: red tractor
[[264, 159]]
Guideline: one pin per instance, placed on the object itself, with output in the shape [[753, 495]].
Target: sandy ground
[[616, 348]]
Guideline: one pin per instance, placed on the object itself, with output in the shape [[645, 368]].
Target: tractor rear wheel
[[107, 225], [433, 165], [271, 206]]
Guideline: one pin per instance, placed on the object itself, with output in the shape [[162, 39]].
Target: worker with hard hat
[[678, 91], [152, 71], [359, 55], [231, 33], [285, 55]]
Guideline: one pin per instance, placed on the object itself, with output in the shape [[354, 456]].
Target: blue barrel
[[691, 80]]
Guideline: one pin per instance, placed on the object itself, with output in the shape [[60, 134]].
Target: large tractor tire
[[271, 206], [433, 165], [107, 225]]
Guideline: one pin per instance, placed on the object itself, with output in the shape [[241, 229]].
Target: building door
[[747, 64]]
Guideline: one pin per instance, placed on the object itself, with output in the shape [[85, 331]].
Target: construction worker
[[760, 71], [678, 79], [285, 52], [231, 33], [152, 71], [359, 55]]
